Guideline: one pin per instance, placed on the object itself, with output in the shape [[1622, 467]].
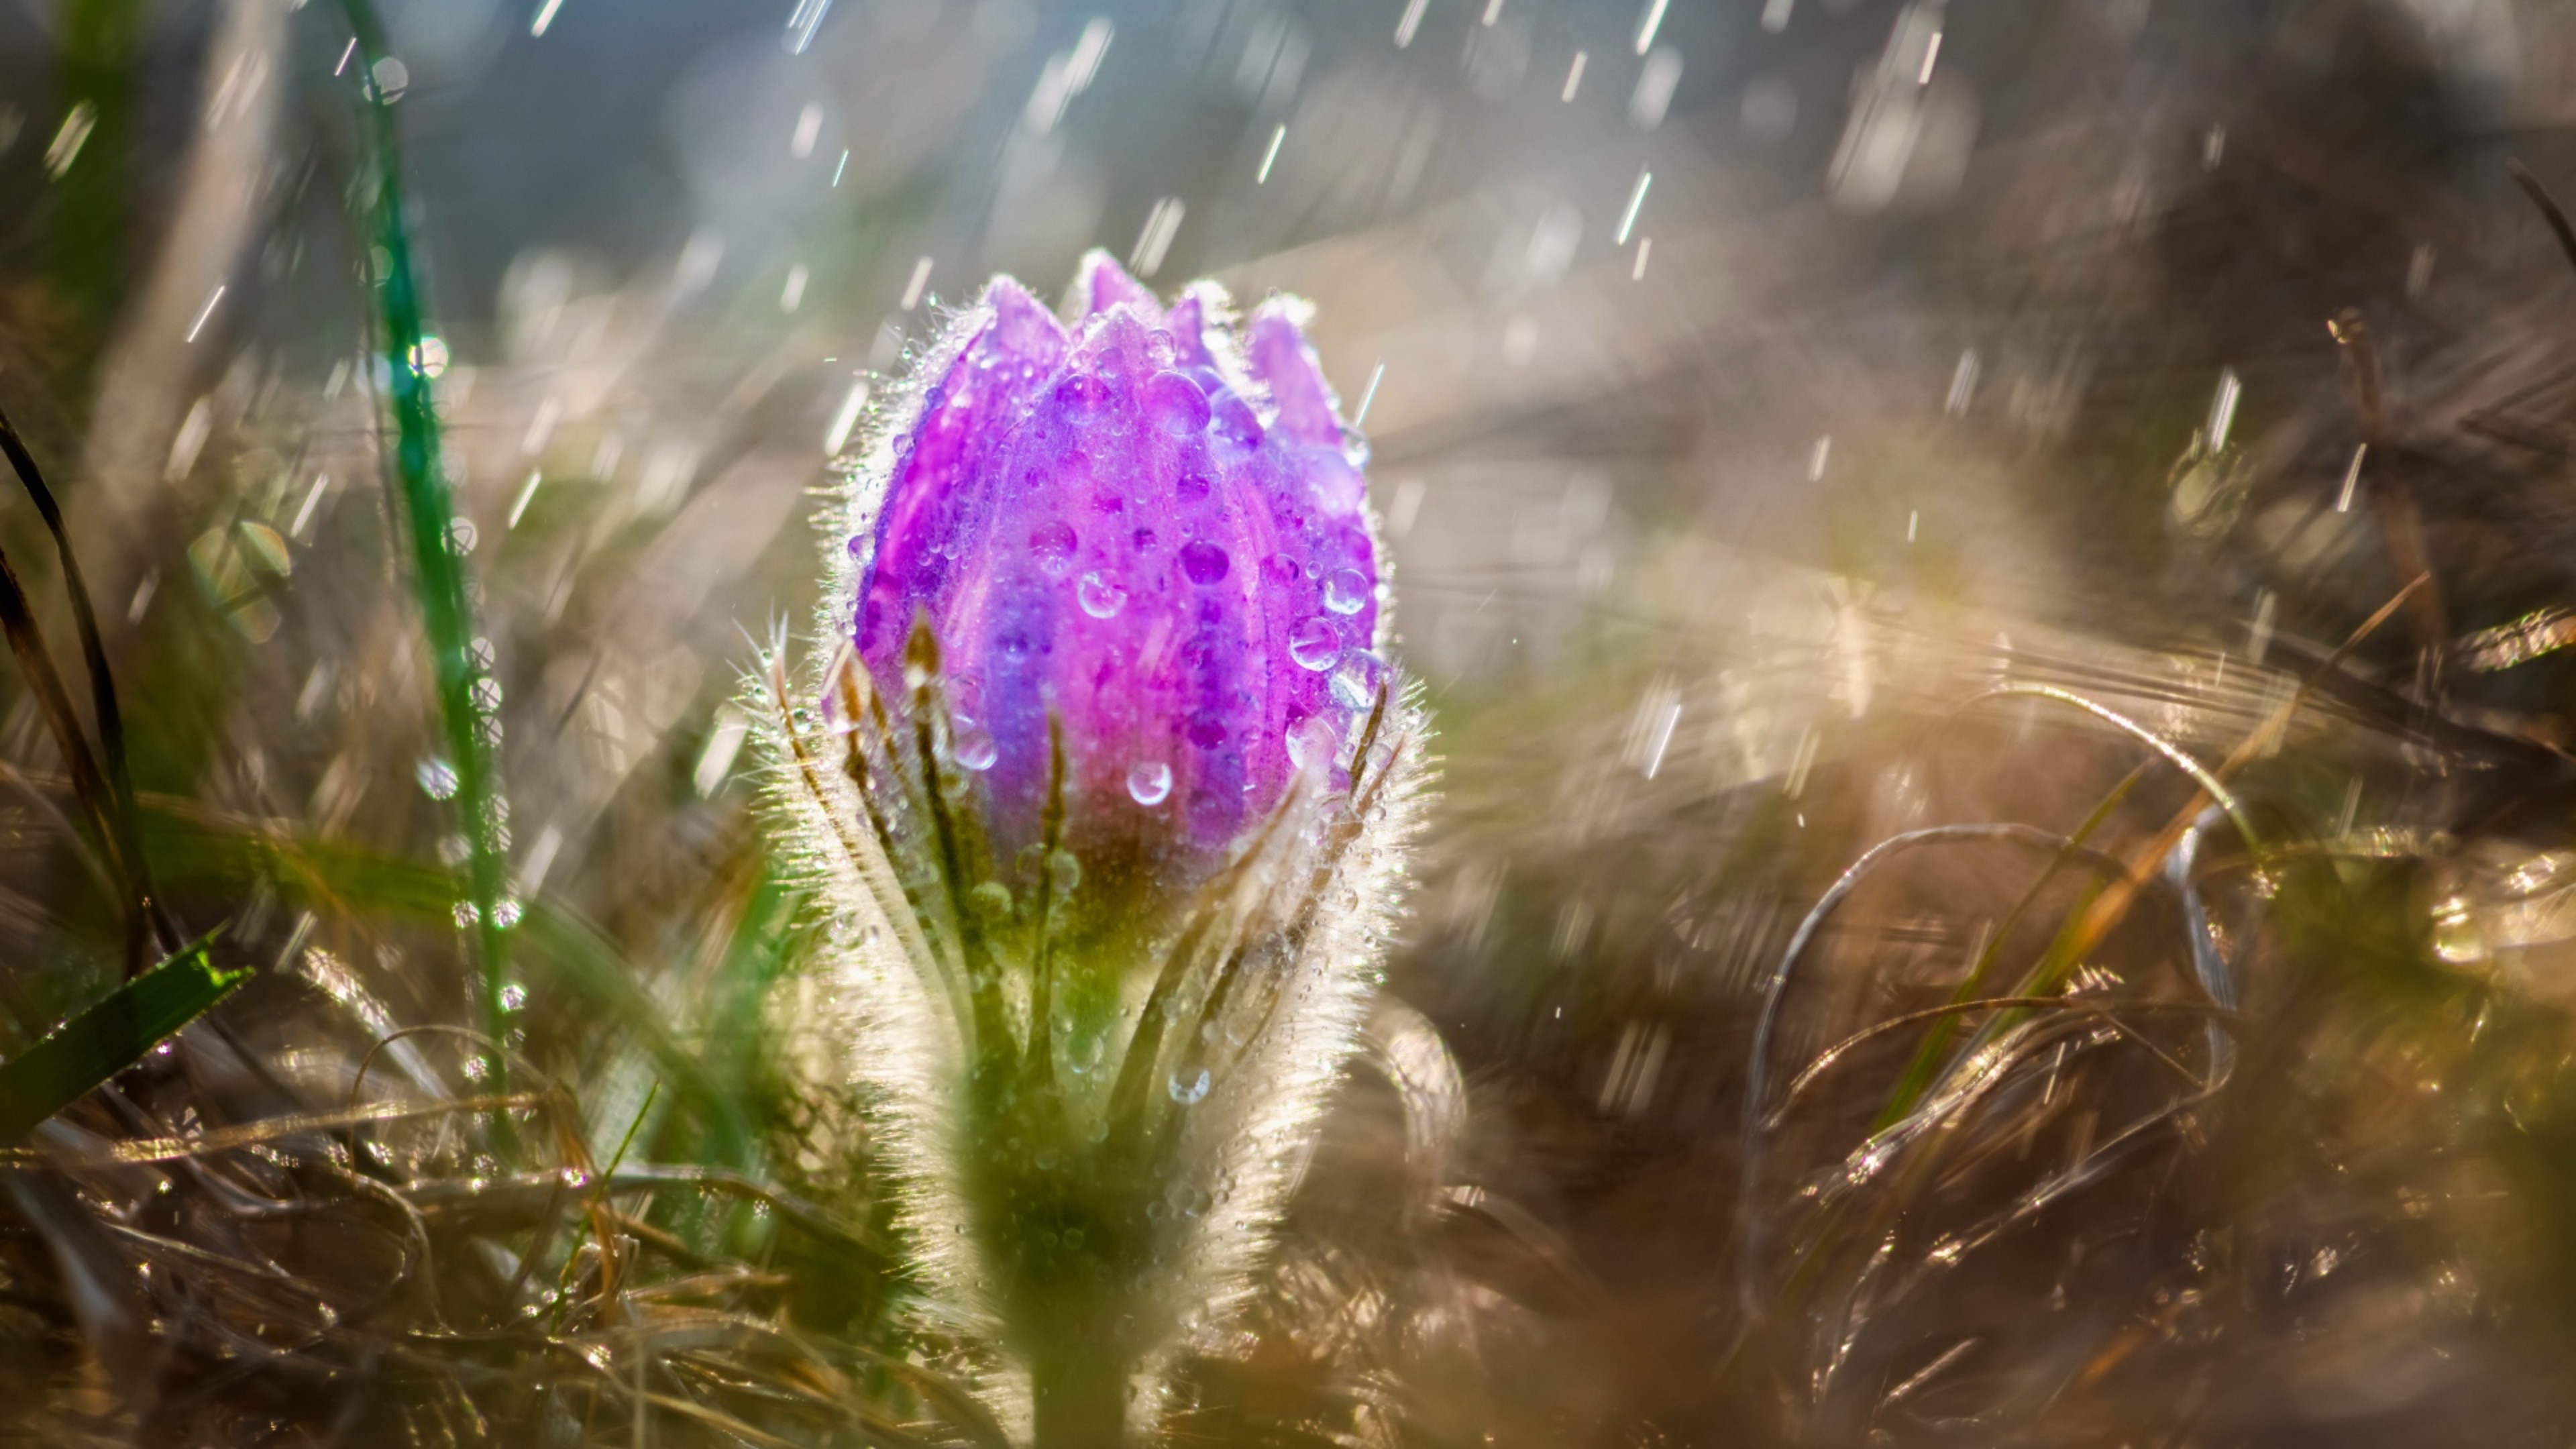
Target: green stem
[[446, 602], [1081, 1399]]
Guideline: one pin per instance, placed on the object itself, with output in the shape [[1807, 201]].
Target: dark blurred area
[[1797, 425]]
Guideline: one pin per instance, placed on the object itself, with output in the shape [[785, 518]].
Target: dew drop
[[1082, 392], [1310, 741], [2456, 937], [1101, 598], [1053, 543], [1150, 784], [1064, 872], [437, 779], [1191, 1092], [973, 747], [1353, 688], [1204, 562], [1346, 591], [1193, 487], [991, 899], [1315, 645], [1232, 420], [1175, 404]]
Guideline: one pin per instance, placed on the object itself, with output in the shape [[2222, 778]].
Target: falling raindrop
[[1101, 598], [1315, 645], [1150, 784]]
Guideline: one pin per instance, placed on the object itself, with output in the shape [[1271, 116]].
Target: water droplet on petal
[[1101, 598], [1346, 591], [1315, 645], [1082, 392], [1191, 1092], [1175, 404], [1150, 784], [1053, 543], [1204, 562], [1354, 684], [973, 747], [1311, 741], [1232, 420]]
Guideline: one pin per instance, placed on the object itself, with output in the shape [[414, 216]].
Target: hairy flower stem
[[1081, 1400], [1063, 1222]]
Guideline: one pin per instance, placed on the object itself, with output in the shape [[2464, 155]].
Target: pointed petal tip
[[1022, 325], [1100, 284], [1280, 360]]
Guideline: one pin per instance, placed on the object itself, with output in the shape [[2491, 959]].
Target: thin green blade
[[73, 1059]]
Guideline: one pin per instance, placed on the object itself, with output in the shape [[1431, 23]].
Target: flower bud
[[1145, 528]]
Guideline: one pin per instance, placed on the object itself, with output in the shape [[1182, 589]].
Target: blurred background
[[1755, 389]]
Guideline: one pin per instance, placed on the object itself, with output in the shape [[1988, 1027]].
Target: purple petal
[[936, 501], [1101, 284], [1117, 530], [1280, 360]]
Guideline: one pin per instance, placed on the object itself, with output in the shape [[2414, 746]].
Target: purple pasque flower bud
[[1113, 843], [1147, 525]]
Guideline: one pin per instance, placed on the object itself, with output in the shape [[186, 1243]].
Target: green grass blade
[[74, 1059], [459, 667]]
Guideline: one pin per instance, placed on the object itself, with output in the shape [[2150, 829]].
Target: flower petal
[[936, 499], [1280, 360], [1101, 284]]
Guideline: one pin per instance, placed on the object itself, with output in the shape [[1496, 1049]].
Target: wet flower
[[1129, 527], [1109, 784]]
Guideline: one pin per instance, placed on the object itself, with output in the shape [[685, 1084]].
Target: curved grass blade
[[89, 785], [102, 682], [76, 1058]]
